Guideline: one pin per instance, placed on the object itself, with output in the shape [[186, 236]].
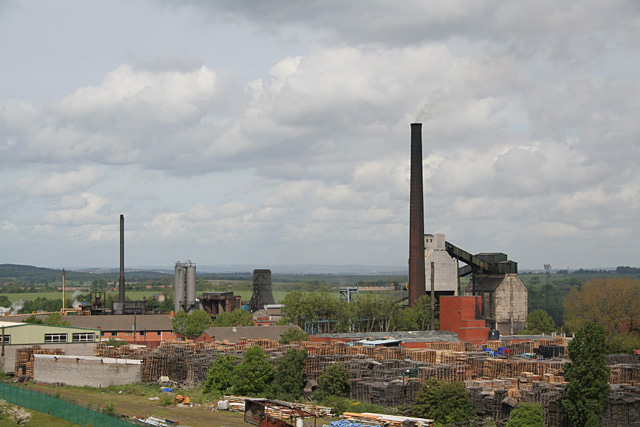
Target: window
[[53, 338], [5, 339], [86, 337]]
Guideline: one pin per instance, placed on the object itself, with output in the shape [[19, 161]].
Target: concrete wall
[[446, 268], [86, 371], [8, 362], [511, 305]]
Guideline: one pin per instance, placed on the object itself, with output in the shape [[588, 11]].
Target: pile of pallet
[[24, 360], [386, 393], [628, 374]]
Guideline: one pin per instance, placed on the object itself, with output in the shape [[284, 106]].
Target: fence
[[58, 408]]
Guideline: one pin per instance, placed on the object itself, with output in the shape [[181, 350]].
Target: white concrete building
[[446, 268]]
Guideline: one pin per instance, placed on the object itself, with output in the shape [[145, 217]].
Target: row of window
[[129, 334], [80, 337], [56, 338]]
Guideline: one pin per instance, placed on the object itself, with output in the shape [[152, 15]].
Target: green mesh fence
[[58, 408]]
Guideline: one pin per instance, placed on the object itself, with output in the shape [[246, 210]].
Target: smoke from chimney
[[416, 219]]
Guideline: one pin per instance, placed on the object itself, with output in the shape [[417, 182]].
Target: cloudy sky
[[278, 132]]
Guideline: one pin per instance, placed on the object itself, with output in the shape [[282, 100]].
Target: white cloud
[[59, 183], [530, 117]]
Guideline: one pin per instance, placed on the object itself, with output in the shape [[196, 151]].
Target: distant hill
[[28, 274]]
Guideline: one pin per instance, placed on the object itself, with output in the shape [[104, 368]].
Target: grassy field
[[134, 400], [37, 419]]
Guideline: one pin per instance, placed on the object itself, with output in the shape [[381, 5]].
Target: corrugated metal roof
[[233, 334], [143, 322], [404, 336]]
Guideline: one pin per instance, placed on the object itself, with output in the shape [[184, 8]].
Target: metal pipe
[[121, 283], [416, 219]]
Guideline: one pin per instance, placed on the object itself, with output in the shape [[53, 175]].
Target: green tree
[[33, 319], [237, 317], [55, 319], [288, 379], [442, 401], [220, 375], [587, 376], [166, 305], [197, 322], [4, 301], [334, 381], [254, 375], [423, 312], [538, 322], [293, 334], [526, 415], [179, 322]]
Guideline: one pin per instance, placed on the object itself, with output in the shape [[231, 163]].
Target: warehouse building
[[15, 336]]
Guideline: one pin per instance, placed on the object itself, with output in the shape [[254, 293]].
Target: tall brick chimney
[[416, 218]]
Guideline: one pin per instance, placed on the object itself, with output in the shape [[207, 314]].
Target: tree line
[[320, 312]]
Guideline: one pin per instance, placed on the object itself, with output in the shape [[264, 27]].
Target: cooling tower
[[261, 290]]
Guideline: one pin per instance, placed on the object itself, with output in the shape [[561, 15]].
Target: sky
[[278, 132]]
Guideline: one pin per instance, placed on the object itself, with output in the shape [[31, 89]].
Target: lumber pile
[[23, 369], [370, 419], [628, 374], [386, 393]]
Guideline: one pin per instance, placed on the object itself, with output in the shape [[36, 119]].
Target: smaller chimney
[[121, 283]]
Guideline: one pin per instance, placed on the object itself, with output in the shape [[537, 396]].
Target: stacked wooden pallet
[[628, 374], [23, 369]]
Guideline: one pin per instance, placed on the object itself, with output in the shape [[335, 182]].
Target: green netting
[[58, 408]]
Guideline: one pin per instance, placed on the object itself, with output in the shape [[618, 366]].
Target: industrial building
[[185, 286], [16, 336], [149, 329], [440, 266], [494, 279], [504, 301], [239, 334]]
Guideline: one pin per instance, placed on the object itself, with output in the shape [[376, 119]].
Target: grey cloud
[[569, 31], [183, 64]]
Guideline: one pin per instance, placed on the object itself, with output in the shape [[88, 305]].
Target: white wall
[[86, 371]]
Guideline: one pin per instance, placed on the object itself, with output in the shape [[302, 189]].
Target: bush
[[253, 376], [526, 415], [334, 381], [344, 404], [293, 334], [165, 400], [113, 342], [220, 375], [444, 402], [109, 409], [19, 415]]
